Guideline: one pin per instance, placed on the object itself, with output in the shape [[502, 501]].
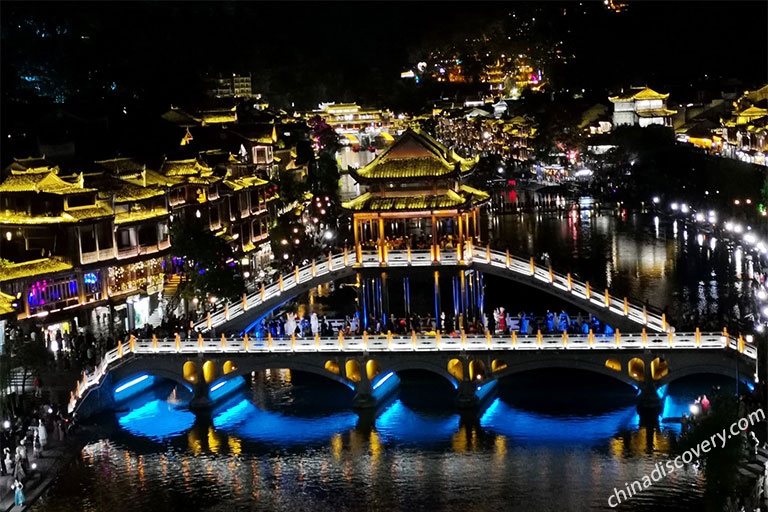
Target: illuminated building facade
[[100, 238], [643, 108], [351, 121], [235, 86], [486, 135], [745, 133]]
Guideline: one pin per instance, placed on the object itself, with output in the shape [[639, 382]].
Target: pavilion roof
[[449, 199], [41, 179], [414, 155], [644, 93], [33, 268]]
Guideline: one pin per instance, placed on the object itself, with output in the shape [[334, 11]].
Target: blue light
[[400, 423], [90, 278], [383, 380], [158, 420], [132, 383], [217, 386], [750, 386], [662, 391]]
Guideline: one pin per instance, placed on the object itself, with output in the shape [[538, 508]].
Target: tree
[[209, 264]]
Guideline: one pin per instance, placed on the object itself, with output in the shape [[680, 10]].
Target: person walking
[[37, 448]]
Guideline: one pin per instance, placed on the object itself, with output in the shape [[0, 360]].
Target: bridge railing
[[562, 283], [410, 343], [565, 284]]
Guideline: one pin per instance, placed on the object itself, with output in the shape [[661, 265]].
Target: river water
[[548, 440]]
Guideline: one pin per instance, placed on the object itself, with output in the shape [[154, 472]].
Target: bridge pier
[[201, 399], [470, 394]]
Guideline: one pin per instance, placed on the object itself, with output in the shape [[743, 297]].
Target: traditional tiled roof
[[448, 199], [244, 182], [122, 167], [414, 155], [6, 303], [33, 268], [136, 216], [32, 162], [259, 133], [656, 112], [41, 180], [645, 93], [127, 192], [186, 167], [101, 209]]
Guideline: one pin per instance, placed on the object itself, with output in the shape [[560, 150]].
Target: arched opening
[[372, 369], [353, 370], [229, 367], [332, 366], [497, 365], [209, 371], [456, 369], [190, 372], [476, 370], [636, 369], [613, 364], [659, 368]]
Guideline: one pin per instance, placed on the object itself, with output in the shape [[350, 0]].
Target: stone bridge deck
[[471, 364]]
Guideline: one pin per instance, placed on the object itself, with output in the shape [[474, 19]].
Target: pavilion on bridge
[[415, 197]]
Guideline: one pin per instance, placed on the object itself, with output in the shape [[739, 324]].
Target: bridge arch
[[596, 366], [439, 368]]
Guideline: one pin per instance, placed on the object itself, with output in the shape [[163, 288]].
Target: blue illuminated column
[[384, 301], [407, 295], [437, 297]]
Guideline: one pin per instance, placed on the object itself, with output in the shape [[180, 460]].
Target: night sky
[[305, 52]]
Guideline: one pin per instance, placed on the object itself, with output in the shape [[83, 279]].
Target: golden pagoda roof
[[131, 192], [414, 154], [448, 199], [644, 93], [33, 268], [43, 180], [752, 112], [122, 167]]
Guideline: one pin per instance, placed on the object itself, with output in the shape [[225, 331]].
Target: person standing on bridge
[[314, 323]]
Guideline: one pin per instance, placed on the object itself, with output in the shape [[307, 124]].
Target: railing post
[[488, 253], [314, 270], [741, 343], [178, 343], [663, 321], [463, 338], [119, 348], [698, 337], [538, 337], [626, 307], [645, 314], [588, 291], [365, 339], [645, 336], [269, 340], [413, 337], [617, 334], [437, 338], [245, 302], [437, 254], [262, 292], [509, 260], [132, 343], [330, 262], [346, 257], [341, 338], [514, 338], [570, 282], [607, 298], [245, 341], [488, 337], [671, 338], [533, 267], [317, 339], [293, 340], [408, 254], [296, 274], [208, 319], [551, 275], [200, 341], [226, 311], [223, 341], [565, 338], [154, 342], [591, 338]]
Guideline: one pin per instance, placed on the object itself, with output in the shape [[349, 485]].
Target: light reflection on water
[[412, 454]]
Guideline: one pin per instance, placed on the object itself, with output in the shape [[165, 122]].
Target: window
[[87, 239], [124, 239], [147, 235], [104, 231], [79, 200]]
